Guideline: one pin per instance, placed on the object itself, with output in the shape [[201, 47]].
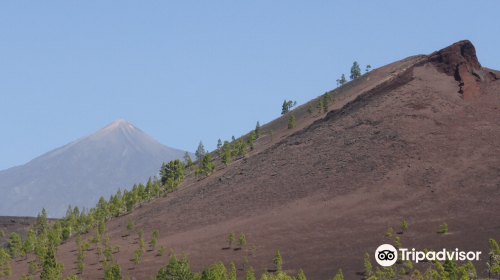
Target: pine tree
[[200, 152], [368, 266], [219, 146], [271, 133], [172, 174], [408, 265], [343, 80], [141, 243], [397, 243], [115, 271], [257, 130], [156, 234], [241, 147], [333, 96], [4, 255], [301, 275], [99, 253], [278, 262], [402, 271], [242, 240], [109, 276], [319, 106], [355, 71], [326, 102], [51, 269], [310, 109], [250, 140], [389, 232], [78, 240], [450, 266], [101, 229], [187, 160], [2, 233], [14, 245], [160, 250], [130, 226], [232, 272], [227, 152], [137, 256], [42, 223], [29, 242], [230, 238], [105, 241], [252, 250], [206, 166], [96, 238], [66, 233], [291, 122], [54, 239], [7, 270], [153, 243], [284, 108], [368, 67], [404, 225], [32, 267], [245, 261], [40, 250], [226, 157], [250, 274], [469, 270], [443, 228], [339, 275], [140, 232], [494, 248], [327, 96]]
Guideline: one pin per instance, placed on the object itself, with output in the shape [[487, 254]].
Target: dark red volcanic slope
[[400, 143], [20, 225]]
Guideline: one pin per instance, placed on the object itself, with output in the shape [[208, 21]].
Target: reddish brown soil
[[20, 225], [401, 143]]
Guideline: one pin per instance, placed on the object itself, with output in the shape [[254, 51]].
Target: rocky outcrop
[[460, 61]]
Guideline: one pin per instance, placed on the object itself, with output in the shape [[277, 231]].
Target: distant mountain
[[116, 156]]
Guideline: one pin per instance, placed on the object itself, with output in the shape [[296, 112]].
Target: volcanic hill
[[400, 142]]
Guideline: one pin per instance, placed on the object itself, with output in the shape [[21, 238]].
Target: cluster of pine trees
[[227, 151], [355, 72], [324, 103], [76, 221], [179, 269], [43, 241]]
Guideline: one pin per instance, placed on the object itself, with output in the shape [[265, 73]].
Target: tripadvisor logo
[[387, 255]]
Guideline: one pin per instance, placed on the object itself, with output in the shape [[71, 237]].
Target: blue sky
[[185, 71]]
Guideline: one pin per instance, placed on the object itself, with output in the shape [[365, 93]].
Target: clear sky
[[185, 71]]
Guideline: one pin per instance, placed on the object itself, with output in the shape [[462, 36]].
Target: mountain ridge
[[98, 160]]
